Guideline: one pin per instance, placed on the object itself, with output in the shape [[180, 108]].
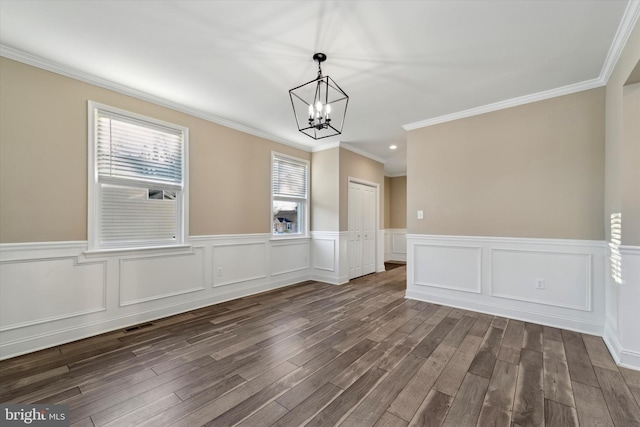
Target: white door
[[355, 230], [362, 229]]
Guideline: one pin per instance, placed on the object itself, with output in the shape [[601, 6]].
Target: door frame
[[376, 186]]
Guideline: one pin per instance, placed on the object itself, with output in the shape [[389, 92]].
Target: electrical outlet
[[219, 271], [539, 283]]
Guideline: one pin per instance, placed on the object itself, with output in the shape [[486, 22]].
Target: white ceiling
[[401, 62]]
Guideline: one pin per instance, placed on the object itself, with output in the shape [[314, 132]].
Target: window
[[615, 257], [290, 187], [137, 180]]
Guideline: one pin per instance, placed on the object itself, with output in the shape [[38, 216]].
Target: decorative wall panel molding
[[329, 254], [36, 291], [622, 335], [289, 257], [239, 262], [452, 267], [147, 278], [560, 279], [324, 252], [554, 282], [54, 293], [395, 247]]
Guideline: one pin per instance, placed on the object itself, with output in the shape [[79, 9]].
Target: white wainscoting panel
[[399, 243], [612, 295], [147, 278], [380, 251], [324, 252], [448, 266], [239, 262], [566, 277], [623, 338], [630, 299], [395, 248], [499, 276], [289, 257], [53, 293], [343, 258], [329, 254], [34, 291]]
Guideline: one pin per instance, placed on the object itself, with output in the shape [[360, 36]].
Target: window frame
[[93, 186], [304, 216]]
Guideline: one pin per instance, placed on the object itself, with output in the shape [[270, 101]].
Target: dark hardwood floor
[[321, 355]]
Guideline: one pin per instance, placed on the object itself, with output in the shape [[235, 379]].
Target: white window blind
[[128, 216], [289, 191], [138, 181], [131, 149], [289, 178]]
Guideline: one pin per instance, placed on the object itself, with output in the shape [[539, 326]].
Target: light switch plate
[[420, 214]]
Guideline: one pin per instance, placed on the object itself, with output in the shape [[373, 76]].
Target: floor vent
[[137, 327]]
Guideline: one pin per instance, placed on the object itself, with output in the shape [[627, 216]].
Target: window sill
[[177, 249], [276, 237]]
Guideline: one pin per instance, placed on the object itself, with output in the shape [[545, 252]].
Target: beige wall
[[356, 166], [325, 197], [623, 145], [43, 161], [387, 202], [398, 202], [630, 165], [330, 173], [535, 170]]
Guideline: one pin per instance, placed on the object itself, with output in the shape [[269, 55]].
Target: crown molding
[[395, 175], [513, 102], [325, 146], [361, 152], [340, 144], [63, 70], [627, 24]]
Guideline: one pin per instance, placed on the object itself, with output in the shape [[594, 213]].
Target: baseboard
[[511, 313], [329, 280], [64, 336], [626, 358]]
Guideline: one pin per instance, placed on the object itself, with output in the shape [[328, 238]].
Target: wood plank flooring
[[322, 355]]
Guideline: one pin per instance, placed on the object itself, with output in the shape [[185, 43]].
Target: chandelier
[[319, 106]]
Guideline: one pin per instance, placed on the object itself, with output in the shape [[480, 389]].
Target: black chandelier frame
[[329, 119]]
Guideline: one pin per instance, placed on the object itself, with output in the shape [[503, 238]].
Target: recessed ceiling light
[[393, 147]]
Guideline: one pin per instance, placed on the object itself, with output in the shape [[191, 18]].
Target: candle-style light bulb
[[310, 111], [318, 106]]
